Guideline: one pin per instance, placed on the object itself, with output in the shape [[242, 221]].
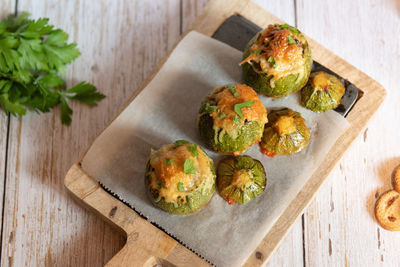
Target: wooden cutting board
[[146, 244]]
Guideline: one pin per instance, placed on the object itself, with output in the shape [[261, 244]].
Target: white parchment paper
[[166, 110]]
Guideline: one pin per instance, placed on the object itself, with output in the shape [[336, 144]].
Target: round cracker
[[396, 179], [387, 210]]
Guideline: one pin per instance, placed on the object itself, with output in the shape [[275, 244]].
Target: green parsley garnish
[[256, 51], [32, 56], [210, 108], [246, 104], [291, 40], [236, 120], [291, 28], [193, 149], [231, 88], [222, 115], [159, 186], [180, 187], [181, 142], [188, 167], [272, 60], [168, 161]]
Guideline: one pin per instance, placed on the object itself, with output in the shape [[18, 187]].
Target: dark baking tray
[[236, 31]]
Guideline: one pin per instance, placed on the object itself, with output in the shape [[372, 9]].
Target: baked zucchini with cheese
[[323, 92], [285, 133], [277, 61], [231, 119], [180, 178], [240, 179]]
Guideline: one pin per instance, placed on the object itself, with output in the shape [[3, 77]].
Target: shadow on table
[[385, 172]]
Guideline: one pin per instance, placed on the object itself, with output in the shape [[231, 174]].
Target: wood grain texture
[[340, 226], [7, 8], [120, 43]]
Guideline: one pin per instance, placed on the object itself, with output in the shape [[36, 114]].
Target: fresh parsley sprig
[[246, 104], [188, 167], [271, 59], [32, 56]]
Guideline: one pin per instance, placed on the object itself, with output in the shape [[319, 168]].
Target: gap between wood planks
[[8, 121]]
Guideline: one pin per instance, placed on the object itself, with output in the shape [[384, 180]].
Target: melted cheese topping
[[169, 176], [273, 42], [242, 179], [321, 81], [285, 125], [226, 102]]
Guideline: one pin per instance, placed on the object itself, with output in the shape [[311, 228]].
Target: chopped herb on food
[[222, 115], [180, 186], [272, 60], [168, 161], [291, 28], [159, 186], [188, 167], [291, 40], [181, 142], [33, 55], [231, 88], [193, 149], [210, 108], [257, 51], [246, 104], [236, 120]]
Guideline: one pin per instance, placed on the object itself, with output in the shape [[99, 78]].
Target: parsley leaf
[[222, 115], [256, 51], [159, 186], [188, 167], [168, 161], [246, 104], [272, 60], [181, 142], [231, 88], [181, 187], [236, 120], [291, 40], [210, 109], [291, 28], [32, 54], [193, 149]]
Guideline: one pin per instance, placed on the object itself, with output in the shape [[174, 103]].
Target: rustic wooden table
[[121, 42]]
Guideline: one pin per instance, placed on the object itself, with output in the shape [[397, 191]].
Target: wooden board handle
[[146, 245]]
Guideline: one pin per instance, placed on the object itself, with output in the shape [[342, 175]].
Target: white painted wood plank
[[120, 41], [340, 226], [282, 9], [7, 8]]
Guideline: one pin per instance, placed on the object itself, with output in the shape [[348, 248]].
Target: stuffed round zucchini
[[285, 133], [240, 179], [231, 119], [277, 61], [180, 178], [323, 92]]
